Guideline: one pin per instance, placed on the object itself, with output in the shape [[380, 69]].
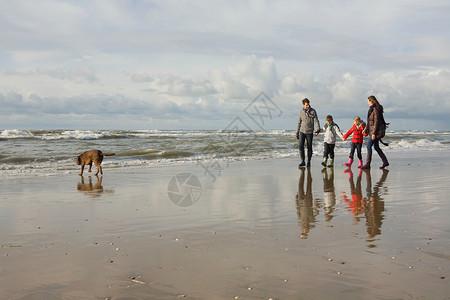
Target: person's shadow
[[356, 204], [306, 213], [374, 209], [92, 189], [329, 193]]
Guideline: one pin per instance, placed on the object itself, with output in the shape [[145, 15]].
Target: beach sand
[[243, 230]]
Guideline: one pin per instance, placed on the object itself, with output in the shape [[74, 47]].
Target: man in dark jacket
[[307, 120]]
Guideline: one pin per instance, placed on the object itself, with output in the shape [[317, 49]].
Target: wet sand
[[252, 230]]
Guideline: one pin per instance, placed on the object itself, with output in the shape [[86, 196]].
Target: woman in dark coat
[[376, 128]]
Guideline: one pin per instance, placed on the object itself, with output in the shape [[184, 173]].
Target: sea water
[[49, 152]]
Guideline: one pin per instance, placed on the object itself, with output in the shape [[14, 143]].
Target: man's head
[[305, 103]]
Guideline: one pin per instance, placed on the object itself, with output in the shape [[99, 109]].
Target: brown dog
[[93, 156]]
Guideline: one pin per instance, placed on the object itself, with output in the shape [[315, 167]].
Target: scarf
[[308, 113], [330, 125]]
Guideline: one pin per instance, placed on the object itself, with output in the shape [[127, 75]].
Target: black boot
[[308, 164], [384, 159], [302, 156], [368, 161]]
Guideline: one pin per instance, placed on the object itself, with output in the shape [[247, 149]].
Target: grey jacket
[[307, 121], [330, 134]]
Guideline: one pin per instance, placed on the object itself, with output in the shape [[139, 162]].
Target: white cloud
[[73, 74], [201, 60]]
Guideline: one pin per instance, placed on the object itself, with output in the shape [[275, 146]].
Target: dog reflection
[[94, 190]]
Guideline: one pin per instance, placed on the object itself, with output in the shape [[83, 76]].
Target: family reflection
[[329, 193], [375, 205], [356, 204], [370, 207], [304, 201]]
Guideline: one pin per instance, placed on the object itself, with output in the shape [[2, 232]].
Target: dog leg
[[99, 169], [82, 169], [90, 167]]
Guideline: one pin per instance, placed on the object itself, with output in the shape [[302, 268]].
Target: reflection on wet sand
[[93, 190], [329, 193], [371, 207], [375, 205], [304, 201], [356, 204]]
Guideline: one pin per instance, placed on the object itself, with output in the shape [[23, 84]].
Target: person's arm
[[376, 122], [364, 131], [316, 122], [299, 123], [347, 134], [366, 128], [338, 131]]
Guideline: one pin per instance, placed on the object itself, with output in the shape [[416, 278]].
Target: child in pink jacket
[[357, 140]]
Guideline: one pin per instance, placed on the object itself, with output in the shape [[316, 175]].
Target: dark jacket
[[375, 121]]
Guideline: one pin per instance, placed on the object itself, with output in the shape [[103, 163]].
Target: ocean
[[52, 152]]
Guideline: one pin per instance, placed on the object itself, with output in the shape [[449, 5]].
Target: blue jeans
[[301, 145], [376, 145]]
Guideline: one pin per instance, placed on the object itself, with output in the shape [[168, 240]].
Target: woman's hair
[[373, 100], [306, 100], [357, 120], [329, 118]]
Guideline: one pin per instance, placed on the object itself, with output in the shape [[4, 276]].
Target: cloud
[[223, 93], [79, 75], [243, 79], [204, 60], [141, 77], [174, 85]]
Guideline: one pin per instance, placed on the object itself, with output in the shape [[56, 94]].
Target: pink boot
[[360, 163], [349, 164], [350, 173]]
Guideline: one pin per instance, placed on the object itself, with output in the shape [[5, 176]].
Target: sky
[[131, 64]]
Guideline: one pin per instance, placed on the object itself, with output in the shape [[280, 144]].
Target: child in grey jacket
[[331, 129]]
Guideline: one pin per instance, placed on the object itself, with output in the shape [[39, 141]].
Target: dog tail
[[108, 154]]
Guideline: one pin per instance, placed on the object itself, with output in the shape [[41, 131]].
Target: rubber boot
[[384, 159], [349, 172], [331, 164], [349, 164], [324, 162], [360, 172], [302, 156], [360, 163], [368, 161], [308, 164]]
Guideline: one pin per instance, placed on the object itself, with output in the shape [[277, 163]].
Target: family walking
[[375, 130]]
